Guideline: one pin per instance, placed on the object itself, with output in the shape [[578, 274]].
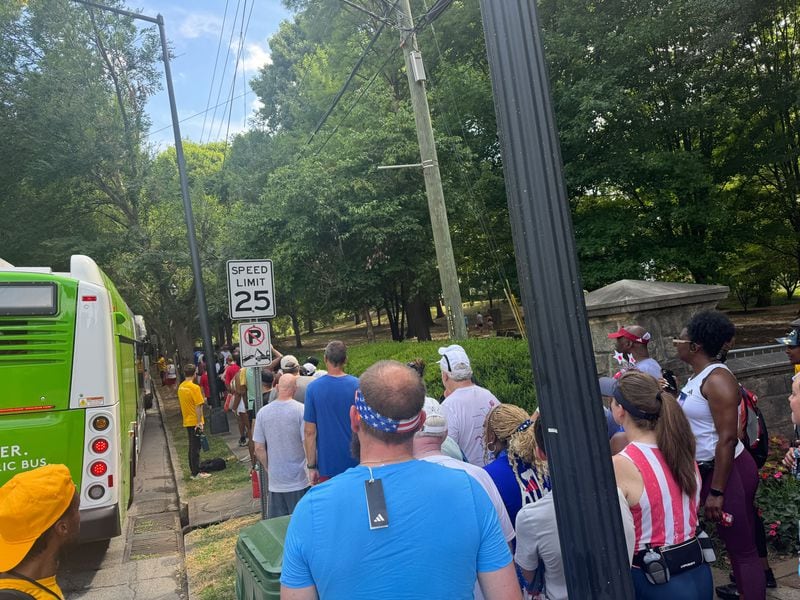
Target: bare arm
[[501, 584], [722, 393], [261, 453], [310, 445], [306, 593]]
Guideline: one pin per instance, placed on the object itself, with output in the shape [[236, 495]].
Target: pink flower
[[778, 475], [773, 533], [777, 523]]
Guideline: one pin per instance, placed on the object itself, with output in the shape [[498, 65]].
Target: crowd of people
[[423, 498]]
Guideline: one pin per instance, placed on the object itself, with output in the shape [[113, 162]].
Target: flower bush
[[778, 499]]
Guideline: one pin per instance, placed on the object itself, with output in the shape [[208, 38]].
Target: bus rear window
[[31, 298]]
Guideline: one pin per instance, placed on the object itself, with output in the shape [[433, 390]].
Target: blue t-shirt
[[442, 531], [611, 425], [328, 402], [529, 484]]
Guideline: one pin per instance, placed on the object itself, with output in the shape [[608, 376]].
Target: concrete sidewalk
[[214, 507], [785, 573]]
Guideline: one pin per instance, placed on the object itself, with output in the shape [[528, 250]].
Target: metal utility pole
[[219, 421], [430, 168], [584, 490]]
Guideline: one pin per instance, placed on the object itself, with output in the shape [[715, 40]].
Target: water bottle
[[796, 470], [655, 568], [709, 556]]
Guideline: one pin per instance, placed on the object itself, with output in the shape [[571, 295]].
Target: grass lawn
[[236, 474], [210, 558]]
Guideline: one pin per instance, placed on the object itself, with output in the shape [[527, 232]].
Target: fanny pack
[[659, 564], [706, 467]]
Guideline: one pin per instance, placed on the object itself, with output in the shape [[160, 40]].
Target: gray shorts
[[280, 504]]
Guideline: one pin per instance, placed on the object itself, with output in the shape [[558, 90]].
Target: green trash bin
[[259, 558]]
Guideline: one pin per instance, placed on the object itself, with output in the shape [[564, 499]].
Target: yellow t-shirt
[[23, 586], [796, 369], [190, 396]]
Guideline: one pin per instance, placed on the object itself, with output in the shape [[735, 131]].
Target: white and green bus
[[68, 371]]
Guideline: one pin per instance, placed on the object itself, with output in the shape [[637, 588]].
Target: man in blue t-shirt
[[327, 418], [374, 531]]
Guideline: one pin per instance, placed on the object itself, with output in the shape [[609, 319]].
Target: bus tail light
[[100, 423], [96, 492], [110, 481], [100, 445], [98, 468]]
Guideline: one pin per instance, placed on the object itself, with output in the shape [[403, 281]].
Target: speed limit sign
[[251, 289]]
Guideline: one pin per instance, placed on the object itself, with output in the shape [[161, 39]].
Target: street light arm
[[119, 11]]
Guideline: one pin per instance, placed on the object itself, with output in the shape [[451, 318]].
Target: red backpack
[[752, 427]]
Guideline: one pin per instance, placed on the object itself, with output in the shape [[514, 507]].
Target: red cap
[[622, 332]]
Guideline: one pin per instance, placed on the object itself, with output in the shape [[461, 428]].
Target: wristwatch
[[715, 492], [311, 466]]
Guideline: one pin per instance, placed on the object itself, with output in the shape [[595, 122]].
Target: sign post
[[251, 289]]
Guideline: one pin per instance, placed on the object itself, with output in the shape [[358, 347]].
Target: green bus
[[68, 367]]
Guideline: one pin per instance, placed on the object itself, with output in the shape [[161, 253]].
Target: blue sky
[[193, 29]]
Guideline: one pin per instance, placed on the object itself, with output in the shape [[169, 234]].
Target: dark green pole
[[584, 491]]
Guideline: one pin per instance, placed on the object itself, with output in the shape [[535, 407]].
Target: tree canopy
[[678, 122]]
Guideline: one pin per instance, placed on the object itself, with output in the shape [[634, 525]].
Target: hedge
[[501, 365]]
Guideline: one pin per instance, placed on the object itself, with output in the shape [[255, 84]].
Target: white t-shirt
[[279, 425], [698, 412], [466, 409], [487, 484], [649, 366], [537, 537]]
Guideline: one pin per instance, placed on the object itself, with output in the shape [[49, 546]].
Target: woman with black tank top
[[710, 400]]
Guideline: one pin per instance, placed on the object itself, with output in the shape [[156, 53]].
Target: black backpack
[[213, 464]]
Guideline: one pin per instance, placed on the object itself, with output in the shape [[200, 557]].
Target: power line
[[236, 69], [224, 68], [430, 15], [197, 114], [349, 79], [214, 72]]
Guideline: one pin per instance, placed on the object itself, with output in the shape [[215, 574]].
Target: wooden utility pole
[[430, 168]]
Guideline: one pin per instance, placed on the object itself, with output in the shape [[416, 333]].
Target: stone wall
[[766, 371], [663, 325]]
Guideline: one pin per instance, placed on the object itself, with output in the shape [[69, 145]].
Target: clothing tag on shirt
[[376, 504]]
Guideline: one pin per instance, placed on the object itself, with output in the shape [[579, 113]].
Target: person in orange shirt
[[191, 399], [38, 517]]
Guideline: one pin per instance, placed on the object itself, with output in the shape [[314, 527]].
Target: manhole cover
[[157, 522], [150, 545], [154, 535]]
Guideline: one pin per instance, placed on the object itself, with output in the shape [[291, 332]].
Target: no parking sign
[[254, 344]]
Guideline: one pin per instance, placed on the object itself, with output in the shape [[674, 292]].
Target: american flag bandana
[[376, 420]]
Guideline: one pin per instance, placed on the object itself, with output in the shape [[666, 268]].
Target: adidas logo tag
[[379, 519]]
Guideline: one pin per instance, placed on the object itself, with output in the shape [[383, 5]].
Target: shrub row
[[501, 365]]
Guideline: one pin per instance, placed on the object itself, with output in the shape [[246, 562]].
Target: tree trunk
[[309, 325], [220, 334], [228, 332], [183, 341], [296, 327], [378, 312], [439, 309], [419, 317], [368, 321]]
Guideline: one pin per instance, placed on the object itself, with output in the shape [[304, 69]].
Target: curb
[[177, 474]]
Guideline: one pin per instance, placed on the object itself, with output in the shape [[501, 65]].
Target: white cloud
[[200, 24], [256, 105], [255, 56]]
